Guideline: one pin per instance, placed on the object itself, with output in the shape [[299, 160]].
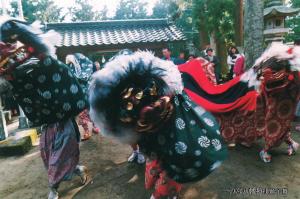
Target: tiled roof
[[280, 11], [115, 32]]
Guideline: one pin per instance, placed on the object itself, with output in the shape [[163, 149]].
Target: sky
[[99, 4]]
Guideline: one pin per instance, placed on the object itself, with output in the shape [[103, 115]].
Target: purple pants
[[59, 146]]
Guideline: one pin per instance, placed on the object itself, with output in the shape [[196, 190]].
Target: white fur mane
[[282, 52], [111, 75], [122, 63]]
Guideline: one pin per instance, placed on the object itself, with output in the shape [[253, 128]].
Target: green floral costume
[[190, 146]]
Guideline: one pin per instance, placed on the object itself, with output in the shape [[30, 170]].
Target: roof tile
[[116, 32]]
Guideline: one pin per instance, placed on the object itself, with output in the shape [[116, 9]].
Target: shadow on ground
[[113, 178]]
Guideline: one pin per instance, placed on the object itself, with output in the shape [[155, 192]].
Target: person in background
[[82, 68], [239, 67], [181, 58], [96, 66], [214, 59], [233, 55], [191, 57], [204, 51], [167, 55]]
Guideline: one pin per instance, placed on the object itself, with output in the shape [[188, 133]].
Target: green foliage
[[218, 17], [295, 3], [215, 19], [179, 12], [103, 14], [131, 9], [166, 9], [82, 10], [43, 10], [293, 23]]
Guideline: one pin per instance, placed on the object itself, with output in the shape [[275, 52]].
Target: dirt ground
[[113, 178]]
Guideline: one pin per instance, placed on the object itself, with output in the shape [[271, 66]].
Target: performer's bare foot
[[245, 144], [82, 171], [174, 197], [53, 194], [293, 148], [265, 156], [231, 145], [138, 157], [96, 130], [86, 136]]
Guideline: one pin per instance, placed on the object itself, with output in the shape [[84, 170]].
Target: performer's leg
[[230, 74], [83, 120], [82, 172], [96, 130], [265, 155], [86, 134], [60, 153], [292, 145], [53, 193], [164, 186], [136, 155]]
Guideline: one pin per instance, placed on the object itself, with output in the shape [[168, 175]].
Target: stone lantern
[[275, 13]]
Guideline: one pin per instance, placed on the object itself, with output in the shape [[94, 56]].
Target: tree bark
[[204, 36], [253, 30], [221, 53], [239, 23]]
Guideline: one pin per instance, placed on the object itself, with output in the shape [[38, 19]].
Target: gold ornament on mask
[[166, 111], [128, 93], [153, 90], [129, 106], [139, 95]]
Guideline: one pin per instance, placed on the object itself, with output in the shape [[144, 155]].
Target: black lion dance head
[[133, 91], [21, 41], [44, 87]]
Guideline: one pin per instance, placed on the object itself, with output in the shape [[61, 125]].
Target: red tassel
[[30, 49], [291, 77]]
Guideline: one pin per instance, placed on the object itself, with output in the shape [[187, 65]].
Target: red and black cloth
[[235, 94]]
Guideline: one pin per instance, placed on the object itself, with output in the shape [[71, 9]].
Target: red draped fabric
[[210, 91], [251, 116], [247, 102]]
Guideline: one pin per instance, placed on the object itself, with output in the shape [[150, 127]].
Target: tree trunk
[[239, 23], [253, 30], [221, 53], [204, 36]]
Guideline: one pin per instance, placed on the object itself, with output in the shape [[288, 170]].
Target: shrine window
[[278, 22]]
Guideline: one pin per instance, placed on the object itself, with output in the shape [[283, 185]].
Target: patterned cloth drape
[[59, 146]]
